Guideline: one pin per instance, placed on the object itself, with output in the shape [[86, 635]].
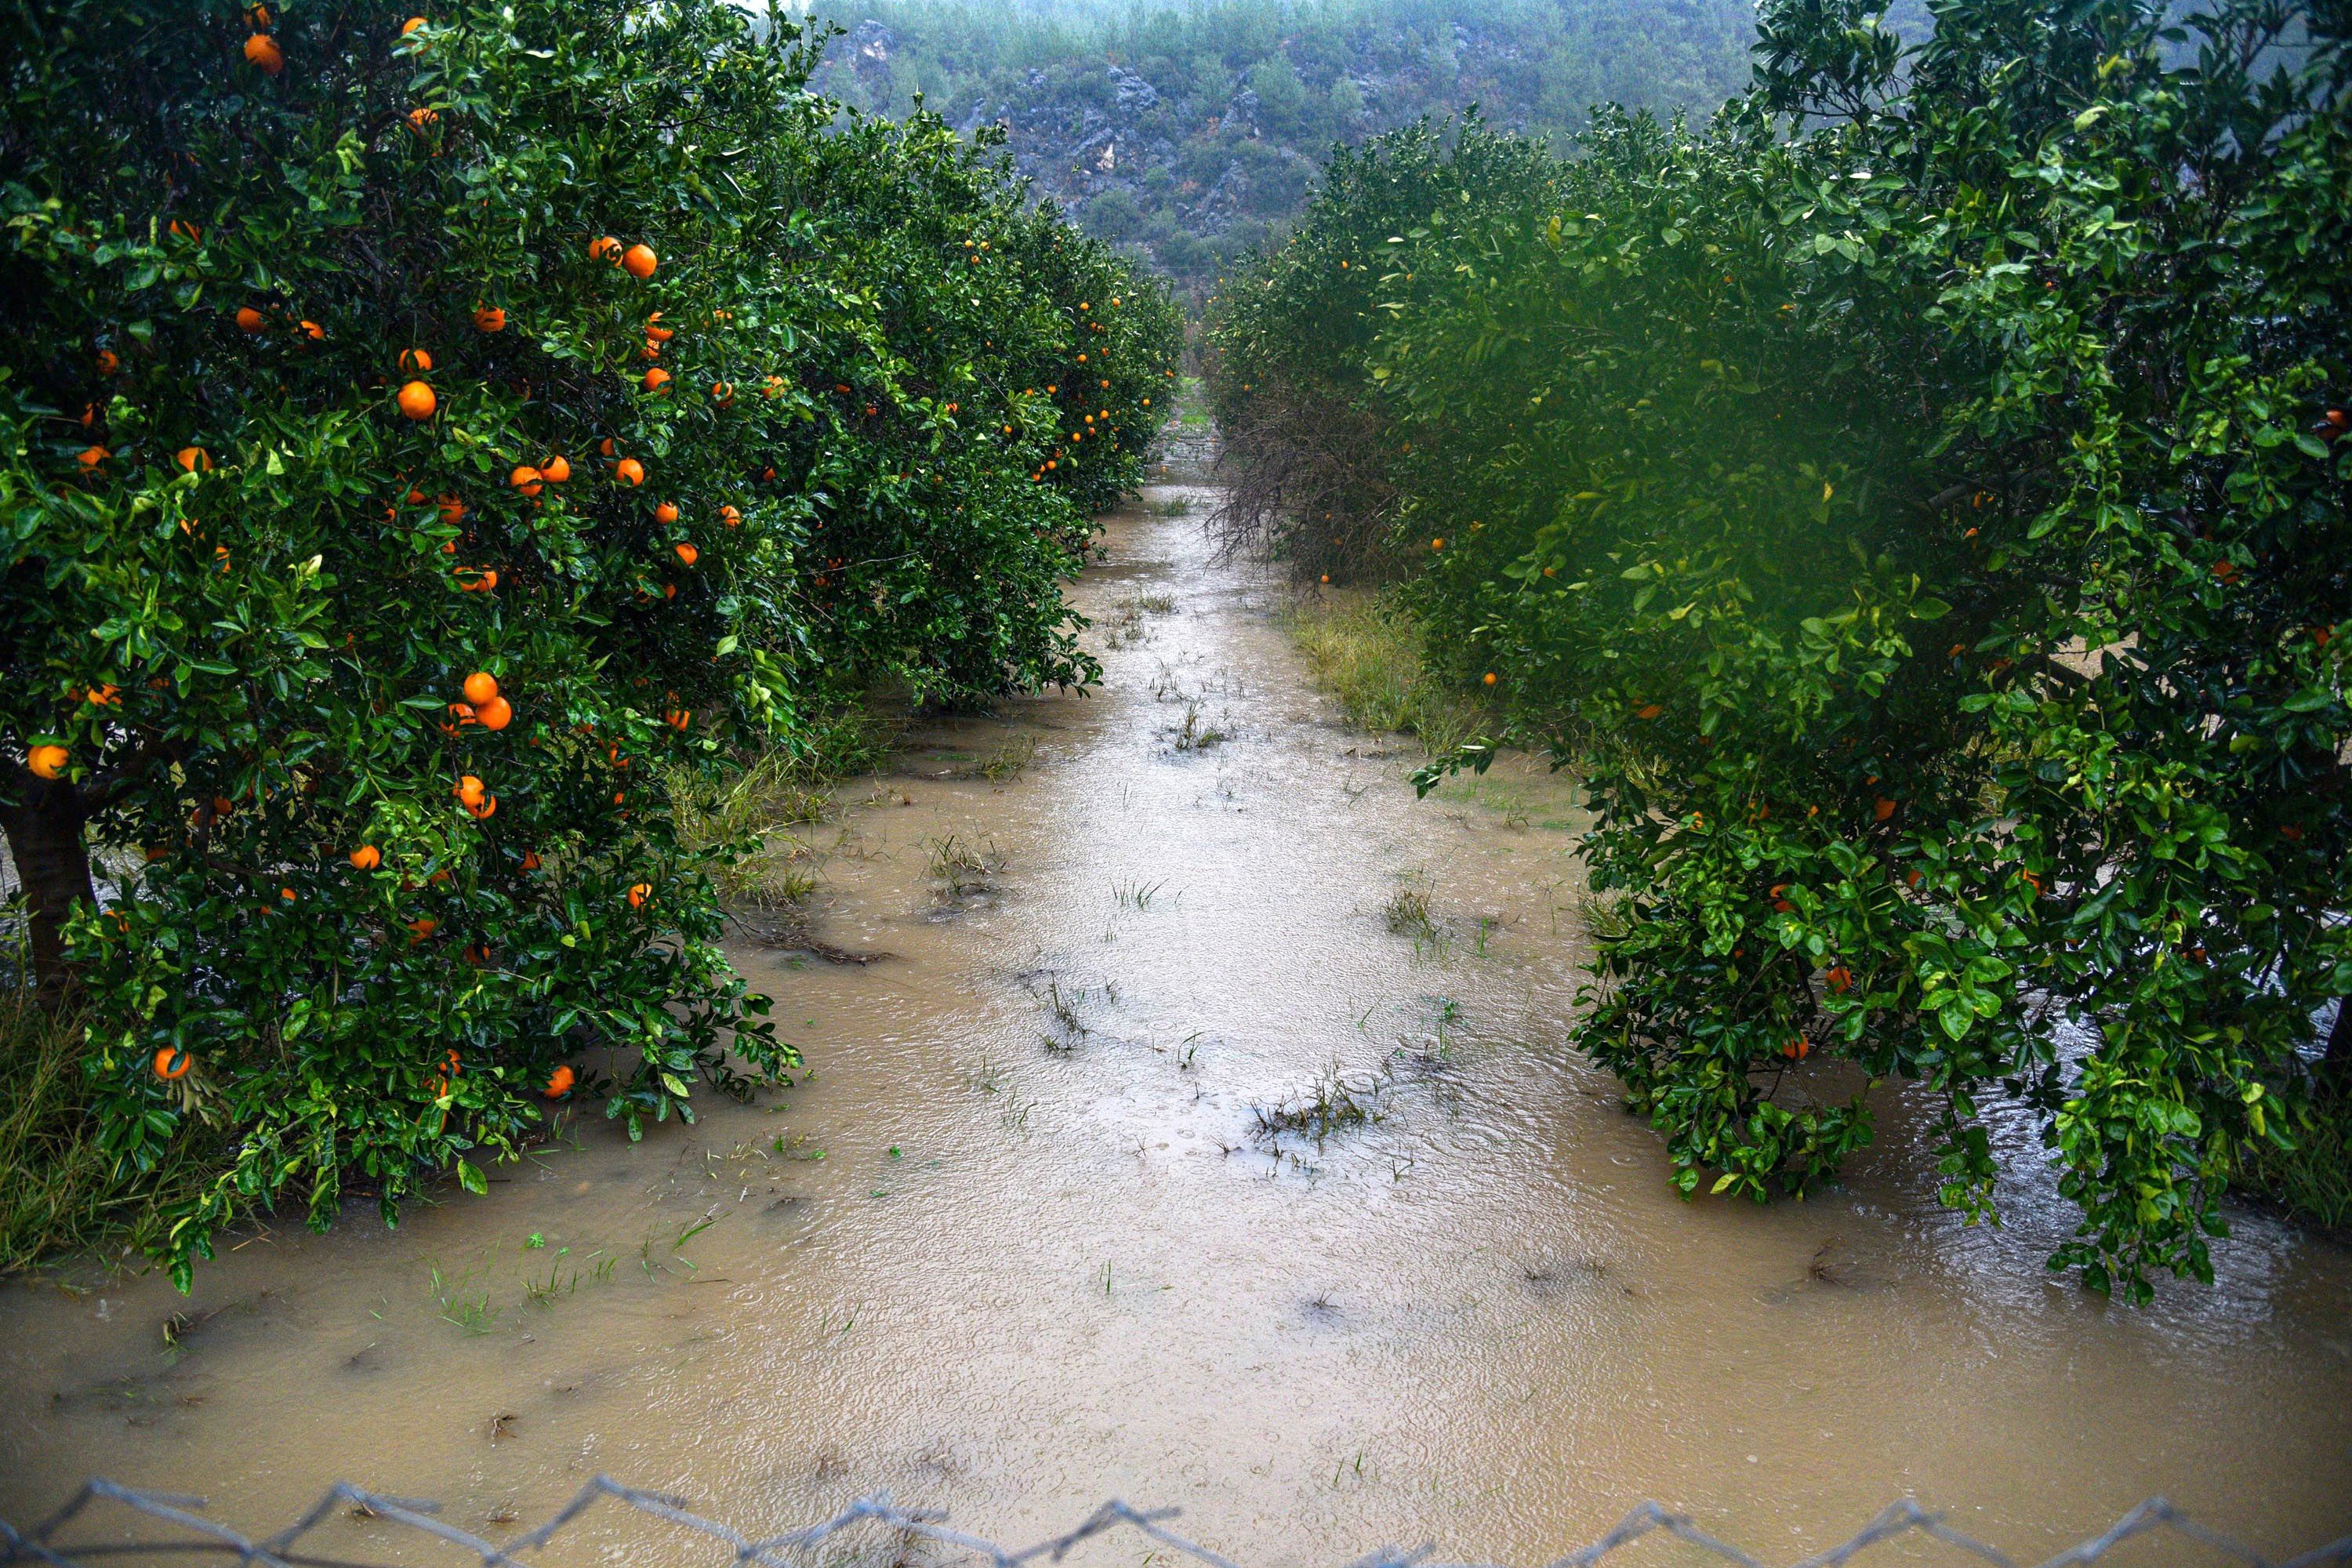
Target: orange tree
[[1103, 361], [1916, 506], [942, 499], [1316, 477], [421, 432]]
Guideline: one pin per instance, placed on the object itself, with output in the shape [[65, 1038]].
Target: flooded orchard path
[[1016, 1245]]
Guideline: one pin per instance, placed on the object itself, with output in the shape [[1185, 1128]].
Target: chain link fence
[[203, 1538]]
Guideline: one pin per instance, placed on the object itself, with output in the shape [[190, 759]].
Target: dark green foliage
[[1916, 505]]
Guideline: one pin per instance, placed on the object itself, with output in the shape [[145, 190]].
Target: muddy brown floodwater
[[1017, 1244]]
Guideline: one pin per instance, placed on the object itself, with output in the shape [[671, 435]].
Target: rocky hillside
[[1190, 134]]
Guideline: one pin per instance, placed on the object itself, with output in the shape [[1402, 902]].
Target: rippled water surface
[[1018, 1243]]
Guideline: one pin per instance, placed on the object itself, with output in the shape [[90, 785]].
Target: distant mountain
[[1191, 133]]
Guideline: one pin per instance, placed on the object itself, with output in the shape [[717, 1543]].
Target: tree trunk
[[46, 839], [2336, 1065]]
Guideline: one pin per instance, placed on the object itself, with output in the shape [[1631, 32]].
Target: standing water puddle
[[1050, 1220]]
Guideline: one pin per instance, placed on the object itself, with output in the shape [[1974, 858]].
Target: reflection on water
[[1168, 1155]]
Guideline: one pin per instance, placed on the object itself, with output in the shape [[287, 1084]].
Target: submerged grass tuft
[[961, 867], [1408, 913], [1334, 1105], [1367, 652], [1125, 622], [1009, 761], [1193, 735]]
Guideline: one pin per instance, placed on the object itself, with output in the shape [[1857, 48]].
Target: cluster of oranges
[[529, 478], [254, 321], [475, 796], [261, 50], [484, 704], [638, 261]]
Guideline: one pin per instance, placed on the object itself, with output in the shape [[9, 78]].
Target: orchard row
[[1916, 505], [429, 440]]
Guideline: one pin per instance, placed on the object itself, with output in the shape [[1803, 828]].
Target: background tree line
[[1194, 131]]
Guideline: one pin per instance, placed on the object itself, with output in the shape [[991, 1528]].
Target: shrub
[[1915, 503], [710, 428]]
